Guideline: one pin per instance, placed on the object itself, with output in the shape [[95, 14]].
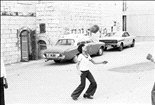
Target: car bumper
[[54, 57], [112, 44]]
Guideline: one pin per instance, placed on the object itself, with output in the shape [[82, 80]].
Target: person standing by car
[[83, 70], [3, 82], [149, 57]]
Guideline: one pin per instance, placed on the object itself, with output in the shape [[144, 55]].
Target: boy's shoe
[[88, 96], [74, 98]]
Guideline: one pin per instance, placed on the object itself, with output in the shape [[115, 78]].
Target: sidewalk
[[23, 64]]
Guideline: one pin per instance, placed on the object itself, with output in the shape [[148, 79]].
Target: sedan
[[66, 48], [118, 40]]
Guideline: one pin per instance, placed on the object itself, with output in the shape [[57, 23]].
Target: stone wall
[[64, 17], [14, 17]]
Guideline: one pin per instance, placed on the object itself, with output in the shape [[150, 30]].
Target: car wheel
[[74, 60], [100, 51], [133, 43], [120, 48], [57, 61]]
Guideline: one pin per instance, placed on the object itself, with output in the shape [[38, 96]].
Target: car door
[[125, 38], [89, 48], [129, 38], [94, 47]]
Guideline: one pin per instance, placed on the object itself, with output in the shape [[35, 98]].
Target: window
[[82, 42], [65, 42], [127, 34], [42, 28], [124, 35]]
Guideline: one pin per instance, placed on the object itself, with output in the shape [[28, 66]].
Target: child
[[83, 70]]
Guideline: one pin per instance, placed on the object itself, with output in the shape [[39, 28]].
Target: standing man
[[149, 57], [3, 82]]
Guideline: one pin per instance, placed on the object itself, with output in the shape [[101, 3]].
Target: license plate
[[51, 56]]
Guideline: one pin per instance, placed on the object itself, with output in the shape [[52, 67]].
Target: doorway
[[124, 23], [41, 46], [25, 48]]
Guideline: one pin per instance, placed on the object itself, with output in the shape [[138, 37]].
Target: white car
[[118, 40]]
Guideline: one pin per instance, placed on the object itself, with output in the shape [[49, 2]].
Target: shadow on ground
[[60, 63], [139, 67]]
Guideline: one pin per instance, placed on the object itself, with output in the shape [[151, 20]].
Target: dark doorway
[[124, 23], [41, 46]]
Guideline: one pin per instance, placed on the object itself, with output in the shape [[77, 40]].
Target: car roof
[[73, 36], [117, 32]]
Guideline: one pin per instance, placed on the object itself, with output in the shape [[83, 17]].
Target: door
[[24, 45], [124, 23], [125, 39], [41, 46], [129, 38]]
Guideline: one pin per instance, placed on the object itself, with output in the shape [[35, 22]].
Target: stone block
[[3, 49], [13, 40], [6, 31], [12, 22], [5, 54], [3, 40], [8, 40], [13, 32], [5, 36], [12, 26], [6, 21]]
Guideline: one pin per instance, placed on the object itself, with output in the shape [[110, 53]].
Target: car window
[[89, 41], [82, 42], [113, 34], [109, 34], [127, 34], [124, 35], [65, 42]]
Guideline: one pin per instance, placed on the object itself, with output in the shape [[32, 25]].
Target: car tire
[[120, 48], [57, 61], [100, 51], [133, 43], [74, 60]]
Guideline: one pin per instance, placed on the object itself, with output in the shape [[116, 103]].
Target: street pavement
[[127, 79]]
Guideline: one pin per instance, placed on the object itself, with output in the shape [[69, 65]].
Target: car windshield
[[65, 42], [116, 34]]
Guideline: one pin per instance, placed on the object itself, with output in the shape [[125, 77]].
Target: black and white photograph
[[77, 52]]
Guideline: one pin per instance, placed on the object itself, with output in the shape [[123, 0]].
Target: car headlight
[[44, 55], [61, 55]]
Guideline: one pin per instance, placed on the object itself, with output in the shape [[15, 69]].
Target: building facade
[[140, 19], [17, 17], [28, 27]]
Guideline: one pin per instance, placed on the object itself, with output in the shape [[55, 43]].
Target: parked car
[[118, 40], [66, 48]]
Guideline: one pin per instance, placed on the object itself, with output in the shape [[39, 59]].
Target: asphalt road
[[127, 79]]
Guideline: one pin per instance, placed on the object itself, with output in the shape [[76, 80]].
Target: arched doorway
[[24, 43], [28, 45], [41, 46]]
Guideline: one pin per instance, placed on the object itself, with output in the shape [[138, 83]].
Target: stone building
[[17, 17], [28, 27]]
